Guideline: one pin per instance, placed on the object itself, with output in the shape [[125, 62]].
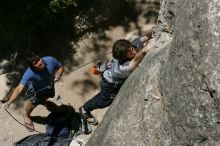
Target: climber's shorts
[[40, 97]]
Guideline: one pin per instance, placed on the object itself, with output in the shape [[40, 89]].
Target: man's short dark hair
[[120, 50], [31, 58]]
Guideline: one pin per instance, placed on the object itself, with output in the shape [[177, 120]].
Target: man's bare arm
[[14, 95], [136, 60], [59, 73]]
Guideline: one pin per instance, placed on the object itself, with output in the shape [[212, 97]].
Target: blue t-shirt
[[41, 79]]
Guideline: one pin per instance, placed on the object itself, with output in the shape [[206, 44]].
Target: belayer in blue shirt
[[39, 78]]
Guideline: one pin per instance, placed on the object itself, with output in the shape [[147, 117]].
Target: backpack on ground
[[62, 127], [43, 140], [58, 123]]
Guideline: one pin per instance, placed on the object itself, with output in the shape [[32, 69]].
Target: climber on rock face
[[126, 59]]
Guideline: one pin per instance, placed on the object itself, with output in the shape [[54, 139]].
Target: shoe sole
[[94, 122]]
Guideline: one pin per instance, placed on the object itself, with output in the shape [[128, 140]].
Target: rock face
[[173, 98]]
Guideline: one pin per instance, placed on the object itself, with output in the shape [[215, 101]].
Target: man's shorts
[[40, 97]]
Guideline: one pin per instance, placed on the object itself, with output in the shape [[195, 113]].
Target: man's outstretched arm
[[14, 95], [59, 73]]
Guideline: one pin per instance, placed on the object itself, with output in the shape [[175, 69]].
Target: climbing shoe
[[88, 116]]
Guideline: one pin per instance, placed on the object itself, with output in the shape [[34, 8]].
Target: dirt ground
[[75, 88]]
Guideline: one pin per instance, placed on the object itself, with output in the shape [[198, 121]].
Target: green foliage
[[59, 5], [20, 19]]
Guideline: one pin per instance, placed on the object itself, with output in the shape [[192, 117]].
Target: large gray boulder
[[173, 98]]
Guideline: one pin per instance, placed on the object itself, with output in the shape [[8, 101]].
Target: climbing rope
[[48, 87], [74, 135], [20, 122]]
